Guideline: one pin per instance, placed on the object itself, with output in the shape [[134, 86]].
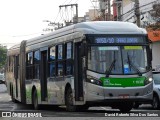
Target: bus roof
[[93, 27]]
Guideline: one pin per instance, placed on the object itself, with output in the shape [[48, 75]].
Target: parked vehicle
[[156, 92], [2, 81]]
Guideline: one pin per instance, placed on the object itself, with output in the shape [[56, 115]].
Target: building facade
[[126, 11]]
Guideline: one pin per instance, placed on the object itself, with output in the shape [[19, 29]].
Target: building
[[91, 15], [105, 10], [125, 10]]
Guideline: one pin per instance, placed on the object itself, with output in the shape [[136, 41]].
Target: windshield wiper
[[134, 67], [110, 68]]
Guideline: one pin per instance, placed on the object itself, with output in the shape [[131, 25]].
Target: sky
[[24, 19]]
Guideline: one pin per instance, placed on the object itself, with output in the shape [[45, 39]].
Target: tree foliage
[[155, 13], [3, 56]]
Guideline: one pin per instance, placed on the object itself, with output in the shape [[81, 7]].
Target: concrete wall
[[156, 54], [128, 13]]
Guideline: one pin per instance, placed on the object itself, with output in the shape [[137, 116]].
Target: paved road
[[60, 113]]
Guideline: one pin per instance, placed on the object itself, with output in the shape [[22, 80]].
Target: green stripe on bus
[[123, 82]]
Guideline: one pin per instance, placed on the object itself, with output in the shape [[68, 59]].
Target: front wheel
[[136, 105], [126, 107], [156, 103], [35, 100], [82, 108], [69, 101]]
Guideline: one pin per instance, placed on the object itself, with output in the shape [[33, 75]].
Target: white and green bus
[[100, 63]]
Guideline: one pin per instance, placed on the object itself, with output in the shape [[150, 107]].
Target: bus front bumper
[[117, 94]]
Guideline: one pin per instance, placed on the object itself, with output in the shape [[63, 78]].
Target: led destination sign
[[121, 40]]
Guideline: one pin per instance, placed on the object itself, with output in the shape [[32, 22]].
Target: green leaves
[[3, 56]]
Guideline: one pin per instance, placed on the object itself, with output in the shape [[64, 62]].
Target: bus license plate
[[124, 96]]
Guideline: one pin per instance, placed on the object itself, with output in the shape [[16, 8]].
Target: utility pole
[[137, 12], [71, 5], [109, 10]]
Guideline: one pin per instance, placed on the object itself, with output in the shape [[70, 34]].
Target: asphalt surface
[[59, 113]]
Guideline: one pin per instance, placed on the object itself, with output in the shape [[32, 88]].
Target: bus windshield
[[118, 59]]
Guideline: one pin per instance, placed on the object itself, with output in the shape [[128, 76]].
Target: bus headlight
[[96, 82], [148, 80]]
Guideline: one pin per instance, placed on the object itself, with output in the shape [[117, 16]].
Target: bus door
[[79, 74], [43, 76], [16, 65]]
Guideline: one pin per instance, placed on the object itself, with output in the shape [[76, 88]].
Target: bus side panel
[[55, 94]]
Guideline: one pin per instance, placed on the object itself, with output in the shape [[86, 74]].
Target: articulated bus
[[100, 63]]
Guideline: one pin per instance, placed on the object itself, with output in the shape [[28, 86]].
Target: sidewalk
[[4, 97], [3, 88]]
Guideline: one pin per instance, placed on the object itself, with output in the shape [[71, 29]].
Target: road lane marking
[[104, 108]]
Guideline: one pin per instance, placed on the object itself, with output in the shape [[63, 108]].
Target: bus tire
[[136, 105], [35, 100], [83, 108], [69, 101], [126, 107], [156, 102]]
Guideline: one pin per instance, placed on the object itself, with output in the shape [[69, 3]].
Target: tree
[[155, 13], [3, 56]]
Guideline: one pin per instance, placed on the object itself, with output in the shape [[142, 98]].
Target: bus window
[[52, 53], [36, 57], [29, 58], [36, 64], [52, 69], [60, 60], [69, 60], [29, 65], [51, 63], [69, 68], [60, 52], [69, 50], [60, 69]]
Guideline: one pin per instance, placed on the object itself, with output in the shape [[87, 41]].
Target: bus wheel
[[136, 105], [125, 107], [156, 103], [69, 101], [35, 100], [83, 108]]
